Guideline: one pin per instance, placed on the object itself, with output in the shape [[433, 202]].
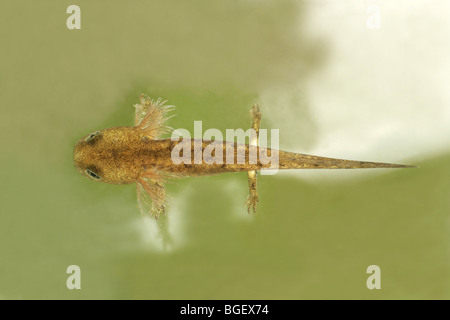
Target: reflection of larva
[[124, 155]]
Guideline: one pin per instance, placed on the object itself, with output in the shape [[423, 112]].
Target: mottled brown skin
[[124, 155]]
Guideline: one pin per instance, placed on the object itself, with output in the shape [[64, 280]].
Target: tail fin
[[290, 160]]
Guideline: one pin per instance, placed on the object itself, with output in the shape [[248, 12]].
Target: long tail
[[290, 160]]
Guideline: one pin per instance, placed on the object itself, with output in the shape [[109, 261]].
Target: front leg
[[253, 199], [151, 195]]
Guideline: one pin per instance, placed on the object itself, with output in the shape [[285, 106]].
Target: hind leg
[[252, 198]]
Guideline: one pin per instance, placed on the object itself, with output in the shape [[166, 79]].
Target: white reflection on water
[[166, 234], [381, 95]]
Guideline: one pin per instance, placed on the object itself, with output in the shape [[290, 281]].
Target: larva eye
[[92, 135], [93, 174]]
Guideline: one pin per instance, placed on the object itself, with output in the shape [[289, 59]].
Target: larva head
[[105, 155]]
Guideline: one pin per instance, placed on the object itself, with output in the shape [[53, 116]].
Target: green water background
[[211, 60]]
